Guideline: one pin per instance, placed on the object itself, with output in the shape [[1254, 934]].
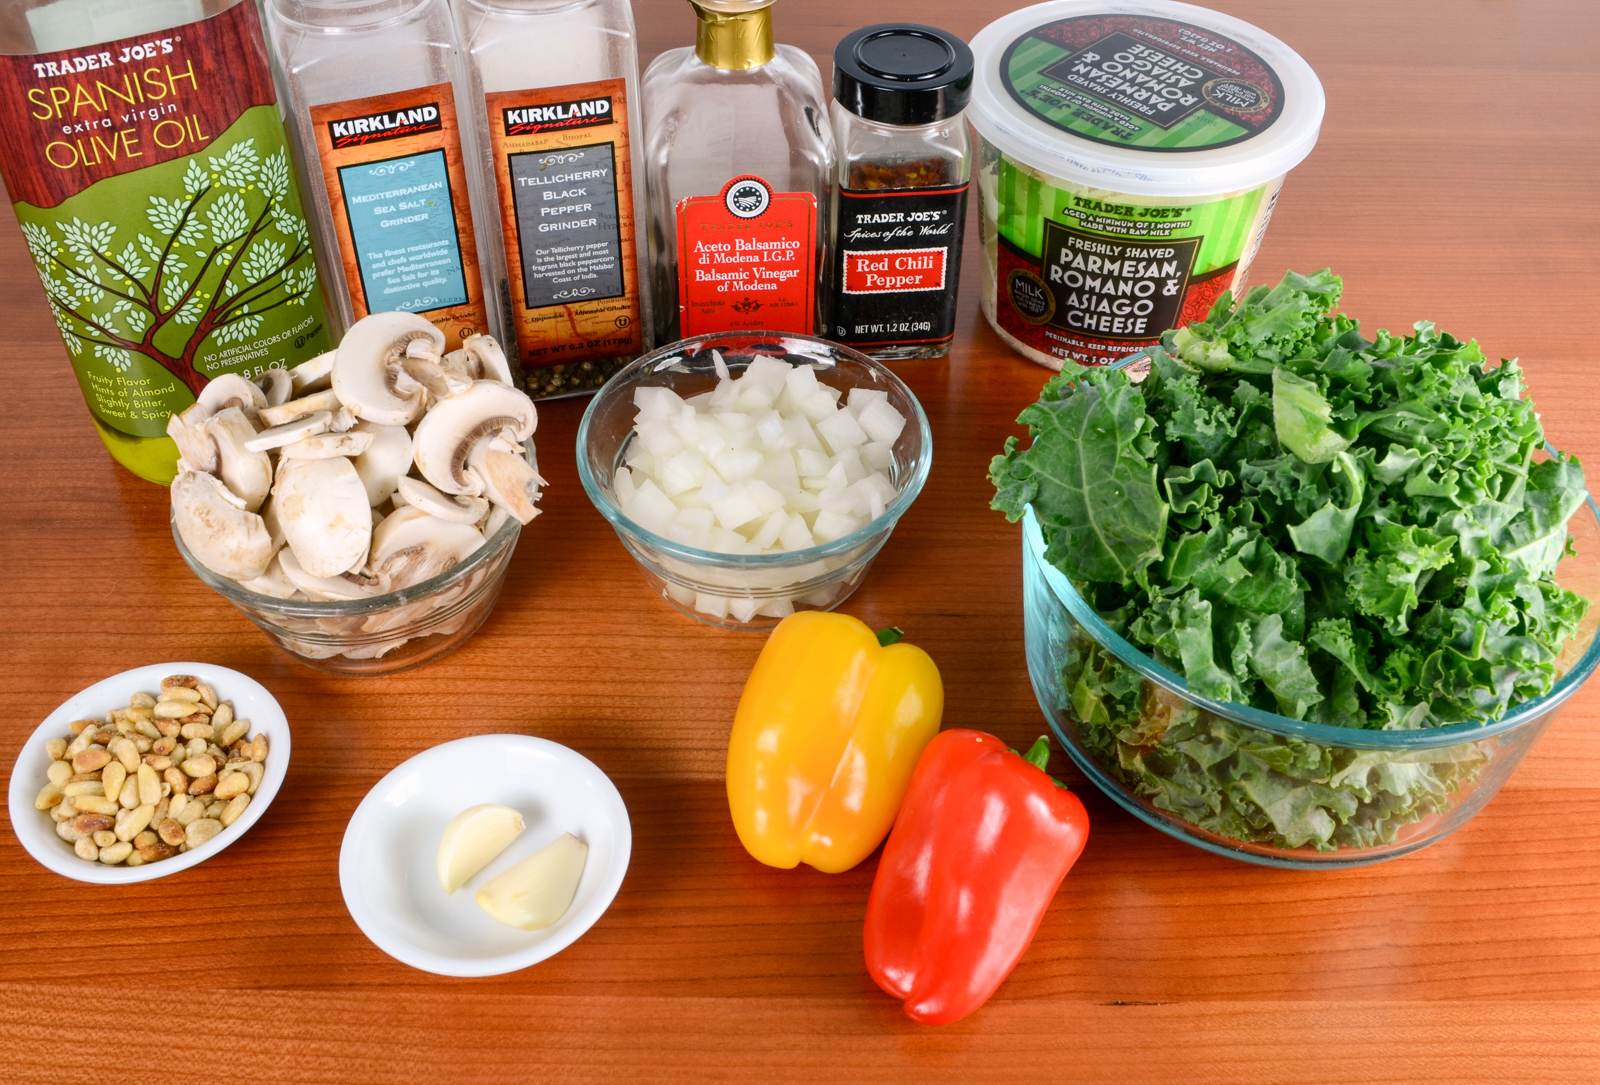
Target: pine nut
[[104, 838], [94, 804], [171, 832], [59, 773], [176, 780], [258, 748], [234, 808], [91, 760], [200, 831], [179, 681], [89, 824], [56, 748], [222, 715], [48, 796], [83, 787], [208, 696], [128, 797], [141, 700], [125, 751], [198, 766], [232, 732], [66, 832], [130, 823], [204, 785], [112, 777], [86, 849], [171, 710], [235, 783], [150, 783], [186, 694], [153, 850], [116, 853]]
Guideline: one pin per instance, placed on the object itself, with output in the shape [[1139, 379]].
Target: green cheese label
[[1090, 275], [1139, 81]]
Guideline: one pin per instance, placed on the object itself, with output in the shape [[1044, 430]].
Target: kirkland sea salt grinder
[[900, 194], [372, 103]]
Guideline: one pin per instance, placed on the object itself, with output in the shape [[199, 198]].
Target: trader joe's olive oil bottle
[[370, 87], [554, 87], [146, 161]]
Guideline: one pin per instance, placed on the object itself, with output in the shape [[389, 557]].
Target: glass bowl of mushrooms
[[361, 508]]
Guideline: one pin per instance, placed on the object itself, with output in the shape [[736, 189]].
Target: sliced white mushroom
[[367, 369], [431, 375], [326, 519], [490, 359], [324, 446], [509, 480], [303, 407], [434, 502], [496, 520], [448, 434], [313, 373], [219, 531], [247, 472], [277, 385], [343, 421], [385, 461], [196, 449], [353, 585], [273, 582], [231, 390], [269, 516], [290, 432], [410, 546]]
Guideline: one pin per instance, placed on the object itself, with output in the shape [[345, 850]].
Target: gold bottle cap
[[734, 35]]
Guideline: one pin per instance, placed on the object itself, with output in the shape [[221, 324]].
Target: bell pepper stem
[[1038, 754], [892, 635]]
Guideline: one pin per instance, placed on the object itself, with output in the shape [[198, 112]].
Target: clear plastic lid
[[1149, 97]]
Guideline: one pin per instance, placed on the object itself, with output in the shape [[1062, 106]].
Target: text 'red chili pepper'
[[827, 735], [981, 845]]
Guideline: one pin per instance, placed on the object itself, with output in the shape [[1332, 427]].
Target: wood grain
[[1455, 181]]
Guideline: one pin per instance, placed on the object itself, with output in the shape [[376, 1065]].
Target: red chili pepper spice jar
[[900, 194]]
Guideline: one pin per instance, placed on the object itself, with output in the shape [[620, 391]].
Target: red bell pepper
[[982, 842]]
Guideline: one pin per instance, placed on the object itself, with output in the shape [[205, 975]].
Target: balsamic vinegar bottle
[[739, 164]]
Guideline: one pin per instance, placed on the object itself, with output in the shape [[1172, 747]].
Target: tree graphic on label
[[219, 254]]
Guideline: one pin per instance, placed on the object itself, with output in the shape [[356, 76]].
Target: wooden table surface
[[1455, 180]]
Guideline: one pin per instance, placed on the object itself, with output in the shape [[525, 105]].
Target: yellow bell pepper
[[831, 723]]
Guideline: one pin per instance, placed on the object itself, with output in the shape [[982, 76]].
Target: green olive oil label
[[152, 180]]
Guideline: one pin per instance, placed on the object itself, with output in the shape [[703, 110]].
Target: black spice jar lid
[[902, 73]]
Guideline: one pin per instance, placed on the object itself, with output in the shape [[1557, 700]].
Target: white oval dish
[[36, 831], [387, 862]]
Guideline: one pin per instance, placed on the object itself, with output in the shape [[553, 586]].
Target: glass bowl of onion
[[754, 473]]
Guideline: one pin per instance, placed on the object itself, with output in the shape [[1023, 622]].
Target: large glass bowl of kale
[[1294, 595]]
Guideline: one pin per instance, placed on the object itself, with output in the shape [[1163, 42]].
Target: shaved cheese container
[[1130, 156]]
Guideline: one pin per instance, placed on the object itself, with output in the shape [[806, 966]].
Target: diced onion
[[770, 461]]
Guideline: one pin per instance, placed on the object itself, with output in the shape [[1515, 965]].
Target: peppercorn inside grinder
[[900, 193]]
